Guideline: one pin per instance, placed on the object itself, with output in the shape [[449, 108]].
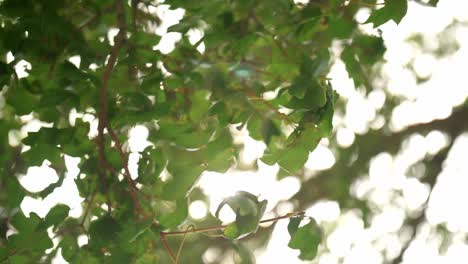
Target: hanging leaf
[[306, 238], [249, 211]]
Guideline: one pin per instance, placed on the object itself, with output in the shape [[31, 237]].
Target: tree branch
[[435, 167], [131, 184], [324, 184], [102, 113]]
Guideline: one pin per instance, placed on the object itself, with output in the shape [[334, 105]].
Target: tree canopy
[[257, 66]]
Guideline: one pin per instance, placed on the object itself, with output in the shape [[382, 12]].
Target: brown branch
[[434, 168], [127, 175], [323, 185], [102, 113]]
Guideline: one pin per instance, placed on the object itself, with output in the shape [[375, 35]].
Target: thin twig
[[220, 227], [179, 251], [252, 96], [88, 208], [166, 245], [89, 21]]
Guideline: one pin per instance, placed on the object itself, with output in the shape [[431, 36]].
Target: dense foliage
[[262, 67]]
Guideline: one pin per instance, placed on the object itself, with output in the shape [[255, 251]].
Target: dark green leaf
[[294, 225], [57, 215], [22, 100], [37, 154], [3, 253], [340, 27], [15, 192], [313, 99], [307, 239], [393, 10], [69, 247], [103, 231]]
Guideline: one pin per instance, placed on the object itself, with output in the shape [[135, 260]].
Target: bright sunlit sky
[[348, 241]]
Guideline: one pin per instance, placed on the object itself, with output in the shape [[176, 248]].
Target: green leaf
[[25, 224], [69, 248], [141, 231], [231, 231], [313, 99], [37, 154], [19, 259], [150, 165], [183, 179], [325, 124], [353, 67], [22, 100], [307, 239], [103, 231], [57, 215], [369, 49], [249, 211], [299, 88], [22, 241], [293, 159], [199, 105], [15, 192], [146, 39], [135, 102], [29, 229], [152, 83], [184, 25], [175, 218], [294, 224], [309, 137], [311, 68], [339, 27], [393, 10]]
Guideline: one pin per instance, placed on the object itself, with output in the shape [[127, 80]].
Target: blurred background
[[389, 186]]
